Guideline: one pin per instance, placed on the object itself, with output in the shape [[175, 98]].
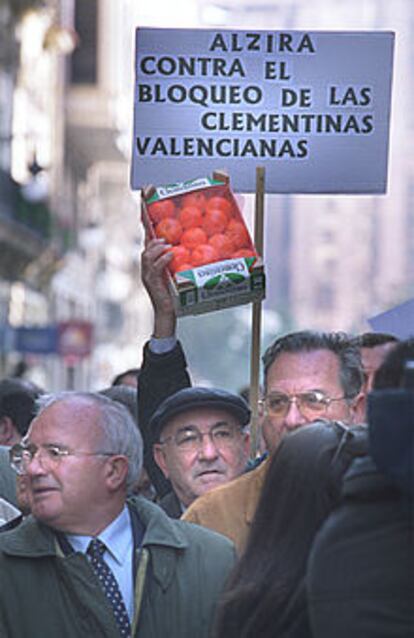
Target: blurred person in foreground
[[194, 438], [360, 574], [89, 561], [266, 594], [308, 375]]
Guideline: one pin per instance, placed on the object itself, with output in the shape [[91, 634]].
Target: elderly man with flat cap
[[201, 442], [195, 439]]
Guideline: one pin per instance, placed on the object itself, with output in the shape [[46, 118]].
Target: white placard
[[313, 108]]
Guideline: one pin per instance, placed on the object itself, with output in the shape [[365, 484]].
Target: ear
[[159, 456], [358, 409], [23, 501], [116, 472]]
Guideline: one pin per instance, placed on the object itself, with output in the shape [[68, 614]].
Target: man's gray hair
[[120, 433]]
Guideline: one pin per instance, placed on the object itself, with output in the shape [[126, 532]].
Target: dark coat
[[161, 376], [171, 505], [361, 570], [47, 594]]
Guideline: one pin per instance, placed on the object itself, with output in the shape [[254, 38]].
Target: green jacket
[[45, 594]]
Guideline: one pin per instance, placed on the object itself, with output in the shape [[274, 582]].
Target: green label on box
[[170, 190], [229, 272]]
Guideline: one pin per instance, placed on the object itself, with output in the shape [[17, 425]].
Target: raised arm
[[164, 367]]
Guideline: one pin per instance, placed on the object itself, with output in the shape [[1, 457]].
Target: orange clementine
[[237, 232], [215, 221], [194, 199], [181, 255], [222, 243], [204, 254], [221, 203], [170, 229], [162, 209], [192, 237], [190, 217]]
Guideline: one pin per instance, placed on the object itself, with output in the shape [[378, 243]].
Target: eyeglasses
[[223, 436], [21, 455], [311, 404]]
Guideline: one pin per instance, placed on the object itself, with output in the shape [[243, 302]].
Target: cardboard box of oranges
[[215, 264]]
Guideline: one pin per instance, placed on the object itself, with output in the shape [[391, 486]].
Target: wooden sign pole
[[256, 315]]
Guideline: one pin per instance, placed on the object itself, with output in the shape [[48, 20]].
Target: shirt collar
[[117, 537]]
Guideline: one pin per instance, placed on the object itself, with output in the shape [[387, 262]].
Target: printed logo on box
[[182, 187], [230, 272]]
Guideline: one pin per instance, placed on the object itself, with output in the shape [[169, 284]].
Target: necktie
[[96, 550]]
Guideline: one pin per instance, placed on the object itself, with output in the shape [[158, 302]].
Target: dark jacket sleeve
[[161, 376]]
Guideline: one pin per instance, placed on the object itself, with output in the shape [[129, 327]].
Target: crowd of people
[[137, 510]]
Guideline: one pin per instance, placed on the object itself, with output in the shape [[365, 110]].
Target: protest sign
[[313, 108]]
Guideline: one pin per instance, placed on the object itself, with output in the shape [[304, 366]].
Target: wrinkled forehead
[[65, 422], [201, 418], [304, 371]]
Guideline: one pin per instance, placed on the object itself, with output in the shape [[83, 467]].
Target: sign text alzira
[[312, 107]]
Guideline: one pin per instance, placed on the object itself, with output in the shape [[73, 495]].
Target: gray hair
[[351, 374], [120, 432], [125, 394]]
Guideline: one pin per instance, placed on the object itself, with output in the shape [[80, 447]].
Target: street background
[[70, 231]]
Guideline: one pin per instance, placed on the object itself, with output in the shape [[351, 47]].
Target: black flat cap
[[198, 397]]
